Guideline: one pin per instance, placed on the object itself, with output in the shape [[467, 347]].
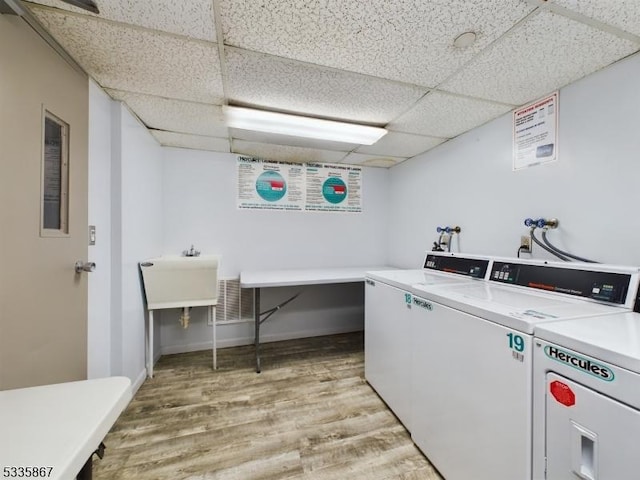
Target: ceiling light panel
[[372, 160], [622, 14], [130, 59], [409, 41], [261, 137], [558, 51], [300, 126], [192, 19], [175, 115], [271, 82], [196, 142], [401, 145], [285, 153], [442, 115]]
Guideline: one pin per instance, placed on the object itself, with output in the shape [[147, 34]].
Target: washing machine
[[587, 399], [472, 361], [387, 330]]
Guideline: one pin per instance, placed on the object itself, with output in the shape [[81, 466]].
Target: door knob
[[85, 266]]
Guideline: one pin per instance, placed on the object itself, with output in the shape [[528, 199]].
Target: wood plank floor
[[309, 415]]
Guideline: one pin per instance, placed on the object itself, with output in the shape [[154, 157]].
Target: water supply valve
[[448, 229], [444, 240], [541, 223]]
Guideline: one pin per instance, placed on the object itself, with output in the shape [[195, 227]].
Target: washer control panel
[[608, 287], [470, 267]]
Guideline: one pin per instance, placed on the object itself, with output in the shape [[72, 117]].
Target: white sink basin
[[177, 282]]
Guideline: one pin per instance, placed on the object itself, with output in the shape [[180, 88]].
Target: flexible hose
[[562, 252], [544, 247]]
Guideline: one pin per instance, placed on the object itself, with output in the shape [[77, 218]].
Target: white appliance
[[473, 361], [587, 399], [388, 332]]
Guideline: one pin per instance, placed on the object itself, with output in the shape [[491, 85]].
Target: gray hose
[[556, 249], [543, 246]]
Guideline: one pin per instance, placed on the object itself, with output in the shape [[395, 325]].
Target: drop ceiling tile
[[285, 153], [624, 14], [372, 160], [126, 58], [409, 40], [542, 54], [446, 116], [175, 115], [272, 82], [401, 145], [196, 142], [192, 19], [261, 137]]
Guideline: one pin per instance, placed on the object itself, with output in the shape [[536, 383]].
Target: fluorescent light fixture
[[297, 126]]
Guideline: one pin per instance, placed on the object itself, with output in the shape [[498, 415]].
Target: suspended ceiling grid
[[380, 62]]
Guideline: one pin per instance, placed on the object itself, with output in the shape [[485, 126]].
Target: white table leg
[[212, 317], [150, 346]]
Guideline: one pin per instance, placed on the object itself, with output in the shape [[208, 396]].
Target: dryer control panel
[[470, 267], [608, 287]]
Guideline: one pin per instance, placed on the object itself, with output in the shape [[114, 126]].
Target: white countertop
[[59, 425], [304, 276]]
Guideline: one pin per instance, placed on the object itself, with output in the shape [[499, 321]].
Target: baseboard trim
[[236, 342], [137, 383]]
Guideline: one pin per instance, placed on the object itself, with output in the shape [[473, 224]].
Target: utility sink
[[177, 282]]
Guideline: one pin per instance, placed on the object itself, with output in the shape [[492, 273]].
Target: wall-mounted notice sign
[[266, 185], [334, 188], [535, 133]]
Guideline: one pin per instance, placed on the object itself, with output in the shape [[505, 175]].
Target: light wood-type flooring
[[310, 414]]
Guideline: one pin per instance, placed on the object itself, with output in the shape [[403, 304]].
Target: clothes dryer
[[472, 361], [388, 330], [587, 399]]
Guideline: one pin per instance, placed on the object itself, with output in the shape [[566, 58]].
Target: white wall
[[162, 200], [137, 234], [142, 220], [592, 189], [199, 193], [99, 283]]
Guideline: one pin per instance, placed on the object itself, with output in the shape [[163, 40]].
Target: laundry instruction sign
[[334, 188], [535, 133], [268, 185]]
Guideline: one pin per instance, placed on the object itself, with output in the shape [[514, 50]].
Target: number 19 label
[[516, 342]]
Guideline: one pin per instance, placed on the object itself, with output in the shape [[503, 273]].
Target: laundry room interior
[[164, 174]]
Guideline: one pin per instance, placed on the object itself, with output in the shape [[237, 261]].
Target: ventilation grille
[[235, 304]]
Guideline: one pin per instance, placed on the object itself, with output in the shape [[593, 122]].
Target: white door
[[387, 346], [43, 211], [588, 435]]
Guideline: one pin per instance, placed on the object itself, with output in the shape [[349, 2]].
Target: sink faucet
[[191, 252]]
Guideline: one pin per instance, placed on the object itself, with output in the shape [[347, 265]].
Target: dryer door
[[588, 435]]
